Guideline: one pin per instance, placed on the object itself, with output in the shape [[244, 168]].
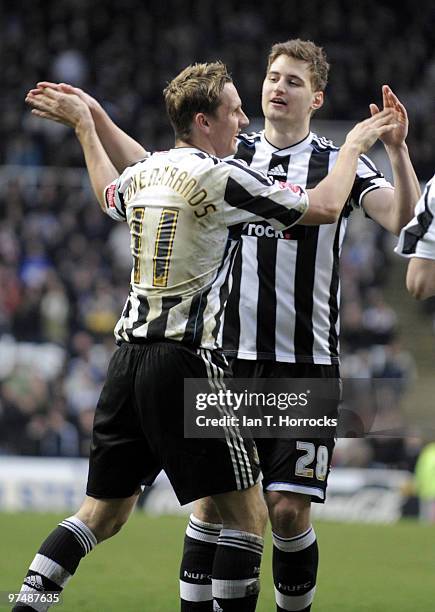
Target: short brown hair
[[306, 51], [197, 89]]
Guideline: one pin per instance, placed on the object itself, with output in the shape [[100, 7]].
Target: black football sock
[[295, 562], [236, 571], [56, 561], [200, 544]]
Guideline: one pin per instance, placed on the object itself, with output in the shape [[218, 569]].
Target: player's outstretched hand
[[69, 89], [52, 103], [364, 134], [396, 137]]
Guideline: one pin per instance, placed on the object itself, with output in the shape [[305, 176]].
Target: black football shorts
[[139, 427], [291, 464]]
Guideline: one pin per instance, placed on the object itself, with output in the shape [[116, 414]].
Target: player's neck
[[282, 135], [195, 143]]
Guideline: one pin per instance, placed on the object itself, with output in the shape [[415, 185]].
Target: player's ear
[[317, 100], [201, 122]]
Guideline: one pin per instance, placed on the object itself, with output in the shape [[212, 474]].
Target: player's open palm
[[364, 134], [397, 136], [53, 104], [70, 89]]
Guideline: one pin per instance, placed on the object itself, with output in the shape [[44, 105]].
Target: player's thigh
[[120, 458], [195, 467]]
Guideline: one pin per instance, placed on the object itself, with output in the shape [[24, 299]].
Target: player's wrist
[[397, 149], [84, 127], [351, 148]]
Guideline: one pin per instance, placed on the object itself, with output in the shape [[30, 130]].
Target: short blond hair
[[306, 51], [197, 89]]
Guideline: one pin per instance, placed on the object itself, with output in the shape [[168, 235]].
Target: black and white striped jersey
[[417, 239], [185, 210], [284, 301]]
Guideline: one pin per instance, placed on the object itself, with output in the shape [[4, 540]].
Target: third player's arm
[[420, 278]]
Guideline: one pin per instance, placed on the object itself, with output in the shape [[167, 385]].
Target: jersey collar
[[295, 148]]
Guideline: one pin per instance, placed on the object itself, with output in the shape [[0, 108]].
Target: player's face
[[227, 122], [288, 94]]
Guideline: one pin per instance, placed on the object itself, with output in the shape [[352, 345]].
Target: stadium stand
[[63, 265]]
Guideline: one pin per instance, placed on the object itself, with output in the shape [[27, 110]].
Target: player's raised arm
[[393, 209], [71, 110], [120, 147], [330, 195]]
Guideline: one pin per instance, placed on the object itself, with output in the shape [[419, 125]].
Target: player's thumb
[[374, 109]]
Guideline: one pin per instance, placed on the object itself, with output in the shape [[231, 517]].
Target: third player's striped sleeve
[[417, 239], [251, 195]]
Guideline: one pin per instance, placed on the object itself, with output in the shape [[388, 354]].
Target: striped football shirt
[[285, 296], [185, 210]]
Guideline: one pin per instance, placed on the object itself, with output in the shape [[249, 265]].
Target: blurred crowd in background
[[64, 266], [124, 53]]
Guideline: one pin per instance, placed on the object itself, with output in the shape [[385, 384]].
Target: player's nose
[[243, 121]]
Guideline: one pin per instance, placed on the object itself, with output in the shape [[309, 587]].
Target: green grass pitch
[[364, 568]]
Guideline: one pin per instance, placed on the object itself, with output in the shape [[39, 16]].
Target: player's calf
[[236, 567], [295, 551], [60, 554]]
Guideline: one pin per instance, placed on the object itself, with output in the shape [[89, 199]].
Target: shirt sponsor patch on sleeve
[[291, 186], [110, 196]]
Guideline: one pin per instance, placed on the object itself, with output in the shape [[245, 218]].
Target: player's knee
[[289, 513], [102, 526], [243, 510]]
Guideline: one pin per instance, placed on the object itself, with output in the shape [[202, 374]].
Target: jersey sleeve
[[368, 178], [252, 196], [417, 239], [114, 193]]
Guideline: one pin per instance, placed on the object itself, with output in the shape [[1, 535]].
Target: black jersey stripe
[[225, 287], [306, 266], [239, 197], [266, 305], [333, 295], [231, 329], [195, 322], [417, 231], [245, 151], [157, 327], [259, 176]]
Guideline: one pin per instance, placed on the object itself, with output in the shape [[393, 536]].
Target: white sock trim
[[235, 589], [294, 603], [296, 543], [195, 592], [202, 531], [83, 534], [50, 569]]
